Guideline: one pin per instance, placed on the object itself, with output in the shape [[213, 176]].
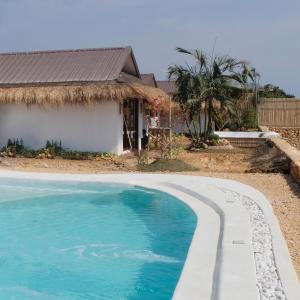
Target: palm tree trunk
[[188, 126], [205, 124], [199, 121]]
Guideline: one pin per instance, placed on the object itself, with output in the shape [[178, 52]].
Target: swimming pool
[[90, 241]]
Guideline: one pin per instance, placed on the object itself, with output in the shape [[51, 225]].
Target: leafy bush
[[271, 91], [52, 149], [15, 143], [249, 118], [214, 139], [30, 153], [54, 146]]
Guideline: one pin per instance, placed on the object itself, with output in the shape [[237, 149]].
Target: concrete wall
[[289, 151], [96, 128]]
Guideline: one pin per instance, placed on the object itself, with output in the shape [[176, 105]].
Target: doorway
[[130, 124]]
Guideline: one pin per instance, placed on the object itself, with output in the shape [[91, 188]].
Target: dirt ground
[[281, 190]]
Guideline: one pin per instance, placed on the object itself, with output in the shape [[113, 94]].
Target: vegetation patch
[[210, 92], [170, 165], [53, 149]]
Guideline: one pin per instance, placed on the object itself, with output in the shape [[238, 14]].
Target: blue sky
[[264, 32]]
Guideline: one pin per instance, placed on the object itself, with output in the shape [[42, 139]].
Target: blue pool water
[[90, 241]]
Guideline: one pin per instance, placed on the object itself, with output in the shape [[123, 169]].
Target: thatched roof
[[80, 94], [74, 77]]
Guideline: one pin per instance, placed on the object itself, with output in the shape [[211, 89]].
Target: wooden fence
[[281, 112]]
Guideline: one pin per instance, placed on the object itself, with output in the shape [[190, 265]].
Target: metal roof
[[168, 86], [149, 79], [84, 65]]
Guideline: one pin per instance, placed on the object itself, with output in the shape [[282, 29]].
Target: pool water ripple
[[90, 241]]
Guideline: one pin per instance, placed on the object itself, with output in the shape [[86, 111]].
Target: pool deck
[[237, 252]]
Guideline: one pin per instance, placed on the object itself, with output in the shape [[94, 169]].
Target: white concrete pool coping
[[222, 261], [245, 134]]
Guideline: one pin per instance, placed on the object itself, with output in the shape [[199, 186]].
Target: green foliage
[[214, 139], [249, 118], [175, 151], [271, 91], [51, 150], [17, 144], [54, 146], [30, 153], [205, 91], [167, 165]]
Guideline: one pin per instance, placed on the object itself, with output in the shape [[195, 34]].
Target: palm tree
[[207, 89]]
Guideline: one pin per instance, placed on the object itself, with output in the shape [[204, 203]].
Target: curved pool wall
[[227, 236]]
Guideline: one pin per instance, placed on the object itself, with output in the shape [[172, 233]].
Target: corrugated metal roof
[[149, 79], [84, 65], [168, 86]]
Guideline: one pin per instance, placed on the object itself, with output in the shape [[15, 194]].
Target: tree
[[271, 91], [207, 89]]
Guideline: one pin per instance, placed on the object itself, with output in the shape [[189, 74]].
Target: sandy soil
[[281, 190]]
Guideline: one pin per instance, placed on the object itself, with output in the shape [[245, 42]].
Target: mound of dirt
[[268, 159]]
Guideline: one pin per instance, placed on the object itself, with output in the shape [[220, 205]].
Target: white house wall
[[179, 126], [95, 128]]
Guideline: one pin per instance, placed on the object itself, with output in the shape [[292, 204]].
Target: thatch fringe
[[85, 94]]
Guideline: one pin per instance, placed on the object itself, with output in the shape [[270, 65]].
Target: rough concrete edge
[[220, 212], [283, 260]]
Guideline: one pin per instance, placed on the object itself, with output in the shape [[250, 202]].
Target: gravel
[[268, 281]]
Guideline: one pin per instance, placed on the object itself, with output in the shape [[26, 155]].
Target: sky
[[264, 32]]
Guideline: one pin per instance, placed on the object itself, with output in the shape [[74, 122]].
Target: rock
[[292, 135], [41, 156], [203, 145], [224, 142], [11, 154], [268, 279]]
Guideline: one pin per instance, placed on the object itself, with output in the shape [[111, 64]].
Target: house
[[89, 99], [149, 79], [169, 86]]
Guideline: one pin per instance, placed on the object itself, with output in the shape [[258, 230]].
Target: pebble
[[268, 280]]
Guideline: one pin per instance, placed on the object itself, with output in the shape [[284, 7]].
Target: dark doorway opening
[[130, 124]]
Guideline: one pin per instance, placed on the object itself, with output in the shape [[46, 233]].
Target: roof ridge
[[65, 50]]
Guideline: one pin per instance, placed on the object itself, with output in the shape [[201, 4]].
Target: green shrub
[[52, 149], [54, 146], [214, 139], [249, 118], [15, 144], [30, 153]]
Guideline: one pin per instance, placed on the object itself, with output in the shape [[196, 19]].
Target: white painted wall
[[95, 128], [178, 124]]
